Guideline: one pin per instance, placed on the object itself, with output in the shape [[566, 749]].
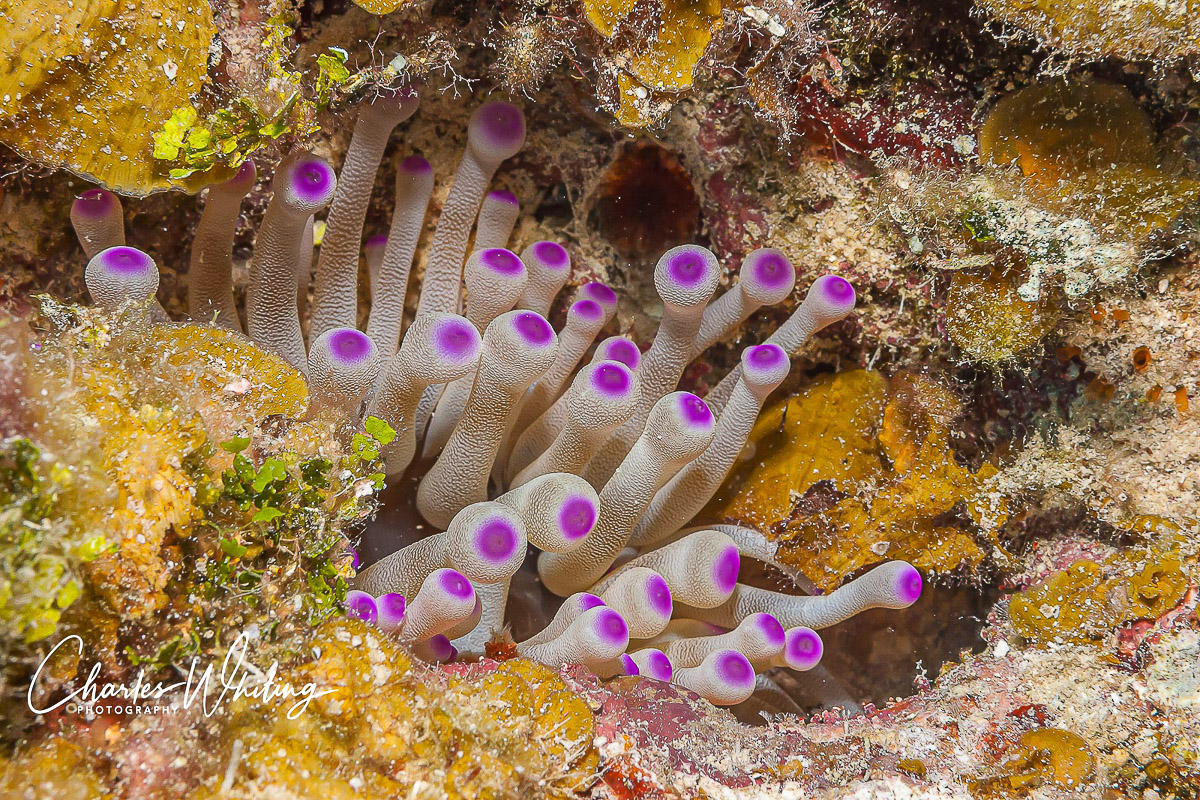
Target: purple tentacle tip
[[94, 203], [456, 340], [688, 268], [501, 196], [577, 517], [725, 569], [624, 351], [695, 411], [602, 294], [123, 260], [589, 601], [534, 328], [390, 608], [455, 584], [766, 356], [312, 180], [611, 628], [803, 649], [505, 262], [612, 380], [355, 559], [501, 124], [551, 254], [771, 629], [658, 594], [496, 540], [908, 584], [629, 666], [416, 165], [350, 346], [378, 240], [361, 605], [588, 309], [658, 666], [837, 291], [771, 269], [440, 649], [734, 668]]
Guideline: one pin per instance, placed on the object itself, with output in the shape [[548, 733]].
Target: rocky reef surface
[[1010, 188]]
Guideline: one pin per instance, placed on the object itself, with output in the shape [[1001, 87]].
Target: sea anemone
[[600, 468]]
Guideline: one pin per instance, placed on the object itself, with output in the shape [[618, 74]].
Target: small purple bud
[[658, 666], [589, 601], [415, 165], [611, 628], [501, 196], [624, 351], [456, 340], [350, 346], [771, 630], [734, 669], [908, 584], [770, 268], [612, 379], [391, 608], [361, 605], [496, 540], [588, 309], [551, 254], [577, 517], [835, 290], [94, 203], [725, 569], [687, 268], [312, 180], [455, 584], [658, 595], [766, 356], [695, 411], [534, 328], [602, 294], [803, 648], [629, 665], [499, 260]]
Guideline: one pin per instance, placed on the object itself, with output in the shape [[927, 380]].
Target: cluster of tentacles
[[600, 468]]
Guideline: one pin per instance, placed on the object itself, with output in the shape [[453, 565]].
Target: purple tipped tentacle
[[210, 272], [98, 220], [497, 217], [343, 364], [496, 132], [335, 298], [303, 184], [414, 186]]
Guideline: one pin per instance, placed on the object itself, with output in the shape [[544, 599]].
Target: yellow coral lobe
[[1087, 149], [232, 372], [666, 62], [856, 469], [1128, 29], [989, 321], [1046, 756], [605, 15], [1079, 605], [379, 7], [82, 82]]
